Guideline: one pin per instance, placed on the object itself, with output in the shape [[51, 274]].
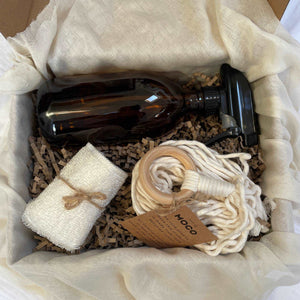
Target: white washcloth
[[89, 171]]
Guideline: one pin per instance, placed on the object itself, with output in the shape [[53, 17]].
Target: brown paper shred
[[62, 163], [43, 184], [107, 232], [41, 245], [213, 80], [56, 154], [151, 145], [33, 189], [54, 164], [43, 149], [199, 80], [135, 243], [36, 169], [65, 153], [40, 159]]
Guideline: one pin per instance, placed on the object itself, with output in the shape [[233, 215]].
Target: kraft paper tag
[[178, 229]]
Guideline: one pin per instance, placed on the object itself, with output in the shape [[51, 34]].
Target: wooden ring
[[145, 178]]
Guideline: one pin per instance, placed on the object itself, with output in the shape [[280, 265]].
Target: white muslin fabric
[[88, 171], [85, 36], [225, 199]]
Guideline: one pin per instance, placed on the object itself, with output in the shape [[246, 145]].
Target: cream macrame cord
[[224, 199]]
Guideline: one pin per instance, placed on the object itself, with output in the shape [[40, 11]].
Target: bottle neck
[[194, 102], [206, 102]]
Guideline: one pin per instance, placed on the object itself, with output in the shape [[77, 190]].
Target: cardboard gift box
[[161, 35]]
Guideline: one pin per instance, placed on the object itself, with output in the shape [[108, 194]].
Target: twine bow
[[80, 196]]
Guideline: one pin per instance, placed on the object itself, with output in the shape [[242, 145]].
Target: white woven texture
[[225, 198], [89, 171], [84, 36]]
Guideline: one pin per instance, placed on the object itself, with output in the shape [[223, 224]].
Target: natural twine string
[[80, 196], [225, 199]]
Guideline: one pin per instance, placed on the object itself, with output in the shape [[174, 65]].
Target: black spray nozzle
[[235, 102], [240, 102]]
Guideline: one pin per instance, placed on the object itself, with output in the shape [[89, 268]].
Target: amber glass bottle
[[116, 108]]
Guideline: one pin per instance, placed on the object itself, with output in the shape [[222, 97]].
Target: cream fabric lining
[[84, 36]]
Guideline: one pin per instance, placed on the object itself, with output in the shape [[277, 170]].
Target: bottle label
[[178, 229]]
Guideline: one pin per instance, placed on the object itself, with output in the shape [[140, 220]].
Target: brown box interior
[[16, 15], [279, 7]]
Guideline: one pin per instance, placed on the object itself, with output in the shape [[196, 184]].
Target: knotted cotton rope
[[223, 197]]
